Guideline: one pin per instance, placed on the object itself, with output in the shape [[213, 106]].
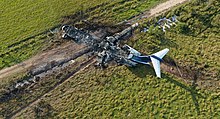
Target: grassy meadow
[[126, 93], [21, 20], [122, 92], [24, 23]]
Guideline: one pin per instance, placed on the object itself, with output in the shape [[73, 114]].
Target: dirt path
[[56, 54], [165, 6], [157, 10]]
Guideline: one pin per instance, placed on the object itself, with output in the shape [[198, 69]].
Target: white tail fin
[[156, 58]]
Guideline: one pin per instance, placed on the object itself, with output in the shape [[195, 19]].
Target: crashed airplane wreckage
[[164, 22], [108, 49]]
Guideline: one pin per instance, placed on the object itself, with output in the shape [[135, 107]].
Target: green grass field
[[21, 21], [122, 92], [126, 93]]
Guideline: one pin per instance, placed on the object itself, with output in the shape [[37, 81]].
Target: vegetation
[[129, 93], [121, 92], [13, 99], [22, 21], [194, 43], [24, 24], [27, 45], [122, 10]]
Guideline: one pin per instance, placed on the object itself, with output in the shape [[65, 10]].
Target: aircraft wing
[[161, 53], [133, 51], [156, 65]]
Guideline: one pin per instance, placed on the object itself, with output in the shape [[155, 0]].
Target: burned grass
[[44, 76], [43, 83]]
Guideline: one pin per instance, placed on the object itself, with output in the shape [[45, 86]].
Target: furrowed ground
[[122, 92], [24, 24]]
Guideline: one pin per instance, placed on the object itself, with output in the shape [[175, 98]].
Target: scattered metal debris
[[78, 35], [54, 31], [107, 49], [145, 30], [164, 22]]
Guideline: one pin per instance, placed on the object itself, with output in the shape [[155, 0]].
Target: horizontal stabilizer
[[156, 65], [161, 53], [156, 58]]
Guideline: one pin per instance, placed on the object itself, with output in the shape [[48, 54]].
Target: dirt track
[[157, 10], [165, 6], [56, 54]]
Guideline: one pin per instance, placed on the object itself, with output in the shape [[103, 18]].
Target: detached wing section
[[132, 50], [156, 58]]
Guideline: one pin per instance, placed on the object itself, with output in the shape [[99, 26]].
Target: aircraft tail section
[[156, 58]]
